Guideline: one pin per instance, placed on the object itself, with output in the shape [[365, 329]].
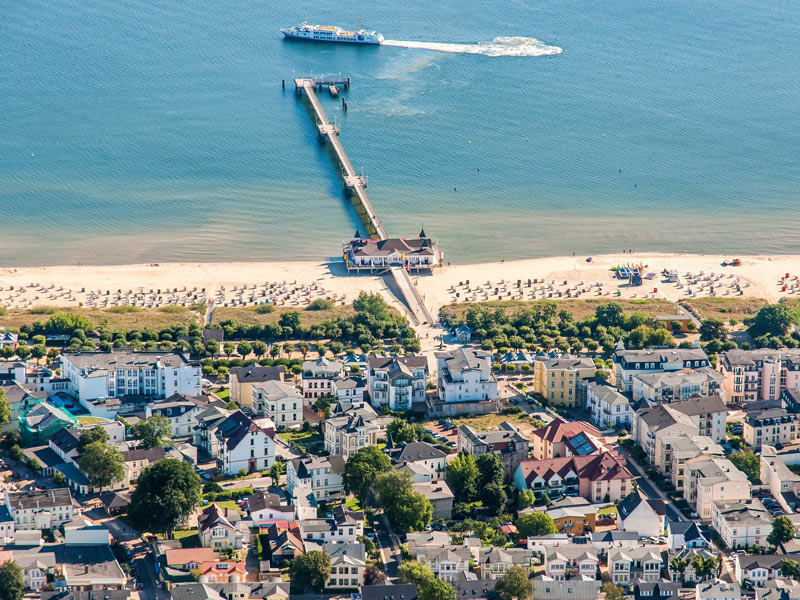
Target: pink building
[[759, 375]]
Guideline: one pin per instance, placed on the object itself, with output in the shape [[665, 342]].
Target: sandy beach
[[557, 277]]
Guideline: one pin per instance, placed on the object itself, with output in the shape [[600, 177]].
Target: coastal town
[[520, 447]]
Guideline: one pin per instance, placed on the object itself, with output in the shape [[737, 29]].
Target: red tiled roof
[[558, 430], [598, 467], [183, 556]]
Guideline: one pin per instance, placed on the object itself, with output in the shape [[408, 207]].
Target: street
[[390, 552], [650, 489]]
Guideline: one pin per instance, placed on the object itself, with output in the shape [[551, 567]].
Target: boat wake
[[499, 46]]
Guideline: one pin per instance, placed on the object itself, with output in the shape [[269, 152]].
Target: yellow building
[[560, 380], [574, 520]]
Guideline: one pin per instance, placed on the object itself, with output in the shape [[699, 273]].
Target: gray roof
[[72, 473], [403, 591], [257, 373], [43, 415], [322, 367], [567, 362], [710, 590], [195, 591], [414, 451], [661, 356], [700, 405], [305, 464], [277, 390], [747, 512], [605, 392], [344, 553], [746, 358], [384, 363], [262, 500], [434, 490], [574, 589], [93, 595], [125, 359], [465, 359], [46, 499], [83, 562], [674, 378]]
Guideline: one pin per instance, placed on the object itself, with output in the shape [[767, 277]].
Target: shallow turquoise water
[[139, 131]]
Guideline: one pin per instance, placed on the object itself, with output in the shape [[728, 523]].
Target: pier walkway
[[353, 182], [356, 184]]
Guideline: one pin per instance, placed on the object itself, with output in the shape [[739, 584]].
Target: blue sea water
[[138, 131]]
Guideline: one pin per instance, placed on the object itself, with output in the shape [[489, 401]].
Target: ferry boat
[[329, 33]]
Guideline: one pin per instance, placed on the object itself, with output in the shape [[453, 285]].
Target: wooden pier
[[354, 183]]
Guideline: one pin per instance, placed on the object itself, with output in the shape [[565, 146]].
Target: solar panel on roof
[[581, 445]]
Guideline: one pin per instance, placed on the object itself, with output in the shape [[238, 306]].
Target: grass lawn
[[353, 504], [301, 438], [607, 510], [222, 393], [249, 315], [121, 318], [580, 309], [738, 308], [188, 538], [229, 504], [91, 420], [491, 421]]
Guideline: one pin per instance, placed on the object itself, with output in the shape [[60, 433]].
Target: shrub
[[264, 309], [320, 304]]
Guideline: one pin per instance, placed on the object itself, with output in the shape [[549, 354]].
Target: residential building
[[686, 557], [137, 460], [285, 542], [349, 389], [782, 482], [8, 339], [717, 590], [685, 534], [493, 562], [465, 375], [609, 408], [629, 565], [205, 430], [89, 567], [506, 442], [440, 496], [348, 563], [218, 528], [21, 398], [742, 523], [245, 444], [568, 561], [401, 591], [560, 380], [322, 474], [353, 426], [629, 363], [548, 588], [344, 526], [265, 507], [423, 454], [639, 513], [12, 370], [363, 254], [120, 373], [574, 519], [35, 566], [605, 540], [675, 386], [759, 375], [65, 443], [222, 572], [242, 380], [279, 401], [710, 480], [318, 376], [444, 561], [566, 438], [758, 570], [397, 382], [651, 424], [771, 426], [182, 411], [42, 421], [46, 509], [598, 478], [686, 447]]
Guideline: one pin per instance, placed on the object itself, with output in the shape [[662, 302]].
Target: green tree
[[409, 512], [772, 320], [5, 409], [166, 494], [66, 323], [462, 477], [704, 567], [391, 485], [89, 436], [748, 463], [323, 403], [514, 584], [782, 531], [613, 591], [259, 348], [490, 470], [103, 464], [436, 589], [39, 351], [610, 315], [414, 572], [212, 347], [304, 349], [11, 581], [790, 568], [679, 564], [311, 569], [154, 431], [713, 329], [58, 478], [362, 469], [402, 432], [244, 349], [535, 523], [525, 498], [275, 471], [494, 498], [15, 453], [23, 352]]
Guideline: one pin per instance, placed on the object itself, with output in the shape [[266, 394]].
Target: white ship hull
[[319, 33]]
